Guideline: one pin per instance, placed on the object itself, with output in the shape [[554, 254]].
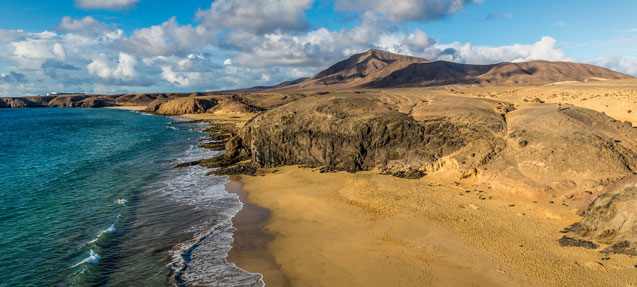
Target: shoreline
[[366, 229], [131, 108], [249, 247]]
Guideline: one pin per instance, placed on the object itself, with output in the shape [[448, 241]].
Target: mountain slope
[[380, 69]]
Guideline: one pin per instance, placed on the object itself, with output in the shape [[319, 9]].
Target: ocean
[[88, 197]]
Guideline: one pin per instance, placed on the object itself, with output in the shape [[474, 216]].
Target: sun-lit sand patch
[[366, 229]]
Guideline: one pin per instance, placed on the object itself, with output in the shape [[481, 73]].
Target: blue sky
[[114, 46]]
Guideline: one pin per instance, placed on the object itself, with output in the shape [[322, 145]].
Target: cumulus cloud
[[36, 47], [85, 26], [105, 4], [102, 67], [544, 49], [257, 16], [166, 39], [618, 63], [407, 10], [414, 43], [313, 49]]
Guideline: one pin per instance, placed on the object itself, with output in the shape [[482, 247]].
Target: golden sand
[[616, 98], [366, 229]]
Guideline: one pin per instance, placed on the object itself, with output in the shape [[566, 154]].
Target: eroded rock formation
[[610, 220]]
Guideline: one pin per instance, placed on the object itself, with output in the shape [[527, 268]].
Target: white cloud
[[105, 4], [627, 65], [179, 80], [544, 49], [227, 62], [413, 44], [407, 10], [166, 39], [257, 16], [58, 51], [85, 26], [124, 68]]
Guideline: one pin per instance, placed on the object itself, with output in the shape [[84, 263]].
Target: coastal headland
[[386, 170]]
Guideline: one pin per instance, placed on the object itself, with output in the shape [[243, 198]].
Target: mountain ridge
[[378, 69]]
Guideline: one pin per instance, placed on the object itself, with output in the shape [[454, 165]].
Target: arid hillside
[[381, 70]]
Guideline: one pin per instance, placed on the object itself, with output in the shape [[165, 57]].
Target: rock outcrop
[[24, 102], [81, 101], [229, 106], [355, 133], [184, 106], [610, 220]]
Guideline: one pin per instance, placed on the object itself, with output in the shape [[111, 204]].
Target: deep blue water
[[88, 197]]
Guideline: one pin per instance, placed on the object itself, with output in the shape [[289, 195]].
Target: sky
[[121, 46]]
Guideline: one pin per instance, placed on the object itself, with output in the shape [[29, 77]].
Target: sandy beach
[[366, 229]]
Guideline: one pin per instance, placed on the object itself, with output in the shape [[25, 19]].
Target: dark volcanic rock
[[241, 168], [611, 219], [219, 161], [409, 174], [187, 164], [216, 146], [568, 241]]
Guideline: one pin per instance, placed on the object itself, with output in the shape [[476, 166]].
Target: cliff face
[[26, 102], [360, 133]]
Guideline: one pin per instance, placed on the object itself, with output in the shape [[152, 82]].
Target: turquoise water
[[88, 197]]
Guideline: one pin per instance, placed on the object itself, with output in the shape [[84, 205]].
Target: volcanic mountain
[[380, 69]]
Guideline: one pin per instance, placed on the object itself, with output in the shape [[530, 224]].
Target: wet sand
[[366, 229], [250, 241]]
